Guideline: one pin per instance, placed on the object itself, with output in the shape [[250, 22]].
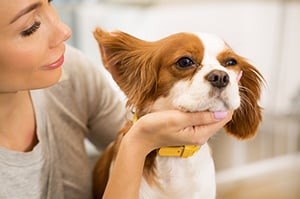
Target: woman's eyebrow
[[25, 11]]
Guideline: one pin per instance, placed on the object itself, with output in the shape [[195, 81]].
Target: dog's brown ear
[[247, 117], [130, 61], [112, 46]]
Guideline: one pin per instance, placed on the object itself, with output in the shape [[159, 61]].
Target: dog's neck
[[183, 151]]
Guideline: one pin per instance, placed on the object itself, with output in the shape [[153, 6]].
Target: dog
[[185, 71]]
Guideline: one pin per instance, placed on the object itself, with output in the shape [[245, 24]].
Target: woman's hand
[[173, 128]]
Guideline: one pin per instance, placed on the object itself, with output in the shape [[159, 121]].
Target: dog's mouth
[[221, 105], [215, 100], [218, 104], [221, 100]]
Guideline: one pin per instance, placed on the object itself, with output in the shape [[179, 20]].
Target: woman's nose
[[60, 33], [65, 31]]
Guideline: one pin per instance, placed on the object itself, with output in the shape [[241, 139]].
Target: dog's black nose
[[218, 78]]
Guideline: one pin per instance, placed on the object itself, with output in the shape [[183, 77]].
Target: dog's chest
[[180, 178]]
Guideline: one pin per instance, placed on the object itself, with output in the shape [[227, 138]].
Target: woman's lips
[[55, 64]]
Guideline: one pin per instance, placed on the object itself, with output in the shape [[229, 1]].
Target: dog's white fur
[[180, 178]]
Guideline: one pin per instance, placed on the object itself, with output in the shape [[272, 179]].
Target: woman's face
[[31, 44]]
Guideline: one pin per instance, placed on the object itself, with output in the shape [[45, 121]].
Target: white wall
[[288, 76]]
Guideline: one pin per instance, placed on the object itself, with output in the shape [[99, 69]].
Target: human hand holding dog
[[174, 128], [152, 131]]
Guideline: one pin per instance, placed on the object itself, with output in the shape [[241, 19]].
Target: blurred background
[[267, 33]]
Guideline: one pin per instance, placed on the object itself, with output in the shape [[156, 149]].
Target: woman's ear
[[248, 116]]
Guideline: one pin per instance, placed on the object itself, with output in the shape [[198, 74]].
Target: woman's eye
[[31, 30], [230, 62], [185, 62]]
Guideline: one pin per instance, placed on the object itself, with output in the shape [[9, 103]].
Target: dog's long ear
[[247, 117], [130, 61]]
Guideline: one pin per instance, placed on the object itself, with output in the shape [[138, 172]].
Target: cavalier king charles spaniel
[[185, 71]]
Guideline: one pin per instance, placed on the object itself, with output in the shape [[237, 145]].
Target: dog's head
[[187, 71]]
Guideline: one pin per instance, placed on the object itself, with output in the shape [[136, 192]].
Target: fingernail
[[220, 115], [239, 75]]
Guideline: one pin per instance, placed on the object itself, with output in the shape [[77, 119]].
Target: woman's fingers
[[174, 127], [205, 118], [182, 119], [198, 135]]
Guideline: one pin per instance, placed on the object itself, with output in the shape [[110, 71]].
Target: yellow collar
[[184, 151]]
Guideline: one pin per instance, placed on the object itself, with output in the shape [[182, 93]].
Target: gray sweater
[[81, 105]]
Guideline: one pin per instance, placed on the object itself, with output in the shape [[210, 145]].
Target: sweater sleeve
[[100, 105]]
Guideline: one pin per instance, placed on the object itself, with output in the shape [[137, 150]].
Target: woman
[[52, 98]]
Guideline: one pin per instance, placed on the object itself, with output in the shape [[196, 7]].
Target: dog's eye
[[230, 62], [185, 62]]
